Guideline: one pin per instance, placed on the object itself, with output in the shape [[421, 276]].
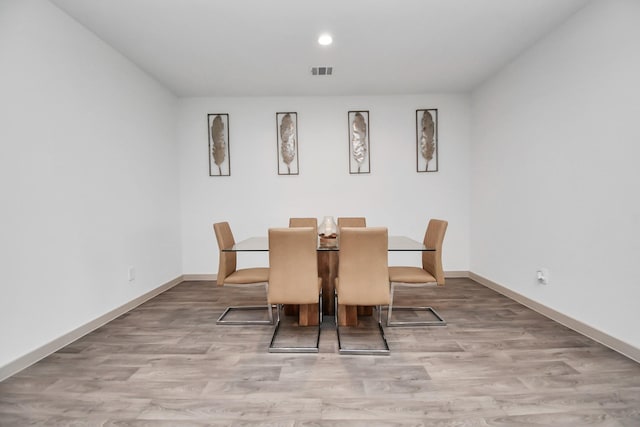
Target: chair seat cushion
[[410, 275], [248, 275]]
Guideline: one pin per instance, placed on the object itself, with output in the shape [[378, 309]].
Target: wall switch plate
[[132, 274]]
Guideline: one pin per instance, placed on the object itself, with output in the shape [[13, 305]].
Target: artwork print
[[287, 143], [219, 161], [359, 148], [427, 140]]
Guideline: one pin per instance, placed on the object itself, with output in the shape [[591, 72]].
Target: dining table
[[328, 260]]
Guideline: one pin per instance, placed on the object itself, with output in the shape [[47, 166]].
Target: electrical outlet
[[132, 274], [542, 275]]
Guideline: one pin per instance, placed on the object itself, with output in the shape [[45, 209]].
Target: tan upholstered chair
[[293, 276], [228, 274], [431, 273], [304, 222], [347, 221], [363, 276]]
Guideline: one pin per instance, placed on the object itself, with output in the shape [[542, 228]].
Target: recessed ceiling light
[[325, 39]]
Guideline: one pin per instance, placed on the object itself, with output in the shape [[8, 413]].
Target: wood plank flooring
[[167, 363]]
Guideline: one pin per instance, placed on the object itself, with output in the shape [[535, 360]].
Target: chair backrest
[[227, 262], [351, 222], [363, 269], [293, 266], [433, 238], [304, 222]]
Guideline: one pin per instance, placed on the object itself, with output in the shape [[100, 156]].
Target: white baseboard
[[199, 277], [40, 353], [456, 274], [613, 343]]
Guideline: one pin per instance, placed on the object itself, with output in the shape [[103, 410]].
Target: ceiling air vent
[[322, 71]]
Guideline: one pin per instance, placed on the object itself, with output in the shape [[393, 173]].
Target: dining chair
[[293, 277], [363, 277], [431, 273], [229, 274], [352, 221], [304, 222], [355, 221]]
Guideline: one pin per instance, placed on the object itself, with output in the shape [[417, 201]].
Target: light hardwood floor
[[166, 362]]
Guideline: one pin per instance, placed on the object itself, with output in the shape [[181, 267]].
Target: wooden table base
[[308, 314], [328, 271]]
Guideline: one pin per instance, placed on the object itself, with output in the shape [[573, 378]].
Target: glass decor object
[[328, 227], [328, 233]]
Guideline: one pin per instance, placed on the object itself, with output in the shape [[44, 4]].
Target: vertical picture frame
[[427, 140], [219, 153], [359, 147], [287, 143]]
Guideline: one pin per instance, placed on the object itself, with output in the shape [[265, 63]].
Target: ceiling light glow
[[325, 39]]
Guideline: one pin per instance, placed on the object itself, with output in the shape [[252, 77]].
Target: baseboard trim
[[456, 274], [613, 343], [199, 277], [40, 353]]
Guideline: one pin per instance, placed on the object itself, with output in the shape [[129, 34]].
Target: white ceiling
[[267, 47]]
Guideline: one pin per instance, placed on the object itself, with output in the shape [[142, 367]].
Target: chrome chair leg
[[320, 315], [439, 322], [362, 351], [286, 349], [228, 310]]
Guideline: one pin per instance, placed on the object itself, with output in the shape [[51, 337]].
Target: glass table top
[[261, 244]]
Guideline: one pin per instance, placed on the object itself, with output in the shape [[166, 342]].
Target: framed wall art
[[287, 143], [219, 159], [427, 140], [359, 149]]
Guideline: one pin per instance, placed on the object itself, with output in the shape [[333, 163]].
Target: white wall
[[555, 147], [255, 197], [88, 178], [89, 174]]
